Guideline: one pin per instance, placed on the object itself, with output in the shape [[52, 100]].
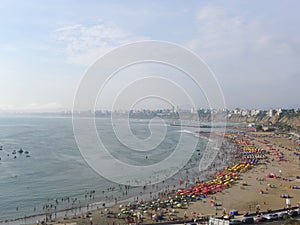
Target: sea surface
[[56, 169]]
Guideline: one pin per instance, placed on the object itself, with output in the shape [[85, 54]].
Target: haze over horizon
[[252, 47]]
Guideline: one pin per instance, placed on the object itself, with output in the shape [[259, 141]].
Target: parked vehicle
[[235, 222], [260, 219], [248, 220], [282, 214], [271, 216], [292, 213]]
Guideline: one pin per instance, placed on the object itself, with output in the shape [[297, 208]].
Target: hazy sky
[[253, 47]]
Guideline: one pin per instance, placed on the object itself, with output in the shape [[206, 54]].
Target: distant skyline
[[253, 47]]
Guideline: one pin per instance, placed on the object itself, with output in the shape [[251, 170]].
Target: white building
[[278, 112], [254, 112], [245, 112]]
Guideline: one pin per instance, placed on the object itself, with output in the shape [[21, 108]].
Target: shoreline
[[97, 205], [243, 194], [93, 206], [220, 197], [163, 188]]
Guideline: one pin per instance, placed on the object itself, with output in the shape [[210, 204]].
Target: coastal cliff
[[284, 121]]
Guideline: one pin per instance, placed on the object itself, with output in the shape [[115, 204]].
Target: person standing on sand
[[185, 215]]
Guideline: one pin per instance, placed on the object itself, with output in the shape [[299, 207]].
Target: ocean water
[[56, 168]]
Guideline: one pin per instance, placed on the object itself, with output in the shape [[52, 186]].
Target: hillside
[[286, 121]]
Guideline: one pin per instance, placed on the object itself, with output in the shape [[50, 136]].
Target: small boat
[[26, 152], [28, 156], [20, 151]]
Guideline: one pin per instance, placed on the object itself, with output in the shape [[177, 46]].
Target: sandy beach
[[261, 186]]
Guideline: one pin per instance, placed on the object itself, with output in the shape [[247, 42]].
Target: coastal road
[[273, 222], [278, 222]]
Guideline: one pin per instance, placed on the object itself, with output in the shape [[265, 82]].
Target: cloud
[[221, 32], [33, 107], [83, 44], [8, 48], [250, 53]]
